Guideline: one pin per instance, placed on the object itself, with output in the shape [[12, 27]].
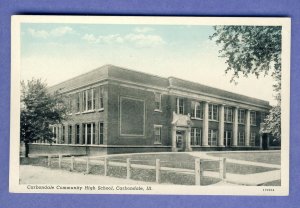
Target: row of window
[[88, 134], [87, 100], [92, 99], [197, 111], [196, 137]]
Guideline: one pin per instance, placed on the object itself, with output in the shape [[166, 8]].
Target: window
[[77, 106], [100, 99], [93, 100], [212, 137], [197, 110], [54, 132], [179, 106], [241, 138], [263, 116], [158, 101], [227, 138], [253, 118], [70, 135], [101, 133], [241, 116], [228, 114], [77, 134], [196, 136], [213, 112], [157, 134], [43, 141], [252, 138], [89, 133], [58, 135], [88, 100], [69, 109], [63, 134], [84, 101]]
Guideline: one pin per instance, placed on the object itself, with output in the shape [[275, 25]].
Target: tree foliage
[[39, 109], [254, 50]]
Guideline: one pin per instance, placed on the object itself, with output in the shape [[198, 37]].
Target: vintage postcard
[[150, 105]]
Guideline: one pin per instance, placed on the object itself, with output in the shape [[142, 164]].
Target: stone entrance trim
[[182, 123]]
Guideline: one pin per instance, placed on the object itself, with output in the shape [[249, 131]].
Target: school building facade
[[117, 110]]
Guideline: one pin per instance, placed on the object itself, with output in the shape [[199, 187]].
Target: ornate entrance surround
[[181, 123]]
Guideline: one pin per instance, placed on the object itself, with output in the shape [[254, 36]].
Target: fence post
[[157, 170], [128, 168], [87, 165], [223, 168], [197, 172], [201, 168], [72, 163], [105, 166], [49, 160], [59, 161]]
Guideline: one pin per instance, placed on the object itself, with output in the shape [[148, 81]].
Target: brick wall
[[44, 149], [56, 149], [115, 93]]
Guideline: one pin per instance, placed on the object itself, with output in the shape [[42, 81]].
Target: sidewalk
[[241, 162], [248, 179]]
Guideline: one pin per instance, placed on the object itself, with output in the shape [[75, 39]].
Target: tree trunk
[[26, 148]]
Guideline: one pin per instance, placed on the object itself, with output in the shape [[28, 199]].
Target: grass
[[167, 177], [263, 157], [176, 160], [186, 161]]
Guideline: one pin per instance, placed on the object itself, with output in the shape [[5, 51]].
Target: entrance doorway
[[227, 138], [180, 141]]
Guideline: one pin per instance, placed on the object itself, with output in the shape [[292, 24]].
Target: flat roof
[[112, 72]]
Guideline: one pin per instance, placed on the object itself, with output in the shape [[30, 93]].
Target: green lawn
[[263, 157], [186, 161], [173, 160], [176, 160]]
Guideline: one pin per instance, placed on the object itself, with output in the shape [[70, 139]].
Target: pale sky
[[57, 52]]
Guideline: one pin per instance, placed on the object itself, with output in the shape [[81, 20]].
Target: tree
[[254, 50], [39, 109]]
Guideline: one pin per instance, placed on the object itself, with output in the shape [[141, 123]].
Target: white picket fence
[[198, 172]]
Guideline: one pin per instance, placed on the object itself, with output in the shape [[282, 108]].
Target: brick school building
[[117, 110]]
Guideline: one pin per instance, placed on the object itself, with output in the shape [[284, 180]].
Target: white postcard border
[[282, 190]]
